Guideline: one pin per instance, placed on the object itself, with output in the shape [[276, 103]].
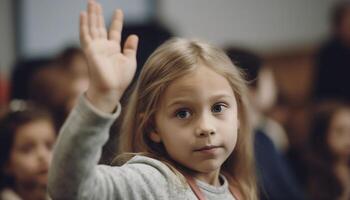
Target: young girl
[[185, 134], [329, 160], [27, 138]]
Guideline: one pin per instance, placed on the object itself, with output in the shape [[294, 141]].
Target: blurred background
[[305, 44], [34, 28], [287, 34]]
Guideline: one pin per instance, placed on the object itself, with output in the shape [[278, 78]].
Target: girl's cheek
[[23, 162]]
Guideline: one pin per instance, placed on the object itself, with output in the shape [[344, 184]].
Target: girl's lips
[[206, 148], [43, 171]]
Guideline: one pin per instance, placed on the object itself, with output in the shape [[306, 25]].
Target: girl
[[329, 160], [27, 138], [180, 126]]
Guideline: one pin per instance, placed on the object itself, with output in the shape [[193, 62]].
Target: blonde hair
[[170, 61]]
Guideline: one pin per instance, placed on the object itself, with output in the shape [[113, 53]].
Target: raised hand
[[111, 68]]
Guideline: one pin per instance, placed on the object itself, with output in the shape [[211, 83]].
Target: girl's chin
[[42, 179]]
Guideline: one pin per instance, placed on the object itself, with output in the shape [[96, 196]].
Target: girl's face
[[31, 153], [339, 133], [197, 122]]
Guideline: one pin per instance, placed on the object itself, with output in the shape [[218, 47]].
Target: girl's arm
[[111, 69], [74, 173]]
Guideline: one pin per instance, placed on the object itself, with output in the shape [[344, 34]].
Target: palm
[[111, 68]]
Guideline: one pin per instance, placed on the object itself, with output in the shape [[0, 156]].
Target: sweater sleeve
[[78, 149], [75, 173]]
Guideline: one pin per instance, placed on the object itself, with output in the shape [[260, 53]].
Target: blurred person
[[328, 157], [22, 73], [262, 94], [275, 179], [72, 60], [153, 35], [27, 136], [59, 85], [333, 58]]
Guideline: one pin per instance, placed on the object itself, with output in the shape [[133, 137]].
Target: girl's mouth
[[207, 148], [43, 171]]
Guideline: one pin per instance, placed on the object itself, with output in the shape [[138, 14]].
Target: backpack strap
[[194, 187]]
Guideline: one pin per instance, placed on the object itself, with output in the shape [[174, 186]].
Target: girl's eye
[[217, 108], [27, 148], [183, 114]]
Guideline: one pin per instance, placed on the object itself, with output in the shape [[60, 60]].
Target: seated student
[[262, 94], [328, 158], [58, 85], [275, 179], [22, 72], [333, 58], [26, 139]]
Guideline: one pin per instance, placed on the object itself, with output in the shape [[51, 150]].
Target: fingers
[[84, 30], [92, 25], [130, 46], [92, 19], [116, 26], [102, 32], [96, 22]]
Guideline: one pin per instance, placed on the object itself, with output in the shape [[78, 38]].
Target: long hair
[[172, 60], [322, 182], [19, 114]]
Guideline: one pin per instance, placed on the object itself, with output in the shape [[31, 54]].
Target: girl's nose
[[43, 154], [205, 126]]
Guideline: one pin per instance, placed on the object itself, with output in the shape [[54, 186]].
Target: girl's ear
[[155, 137]]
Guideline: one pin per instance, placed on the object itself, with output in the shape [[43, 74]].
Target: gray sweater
[[74, 173]]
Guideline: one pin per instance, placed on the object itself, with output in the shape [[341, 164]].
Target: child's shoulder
[[147, 174], [9, 194], [152, 164], [143, 167], [146, 160]]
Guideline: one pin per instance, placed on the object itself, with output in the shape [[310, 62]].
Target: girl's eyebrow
[[189, 100], [179, 101]]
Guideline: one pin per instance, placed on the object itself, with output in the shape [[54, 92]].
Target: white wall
[[264, 25], [50, 25], [261, 24]]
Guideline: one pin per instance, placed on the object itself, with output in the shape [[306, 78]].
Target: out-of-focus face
[[80, 80], [339, 133], [31, 153], [266, 90], [197, 122]]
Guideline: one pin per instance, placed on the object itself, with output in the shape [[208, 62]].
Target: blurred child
[[262, 91], [58, 85], [333, 58], [185, 133], [329, 158], [73, 62], [276, 180], [27, 136]]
